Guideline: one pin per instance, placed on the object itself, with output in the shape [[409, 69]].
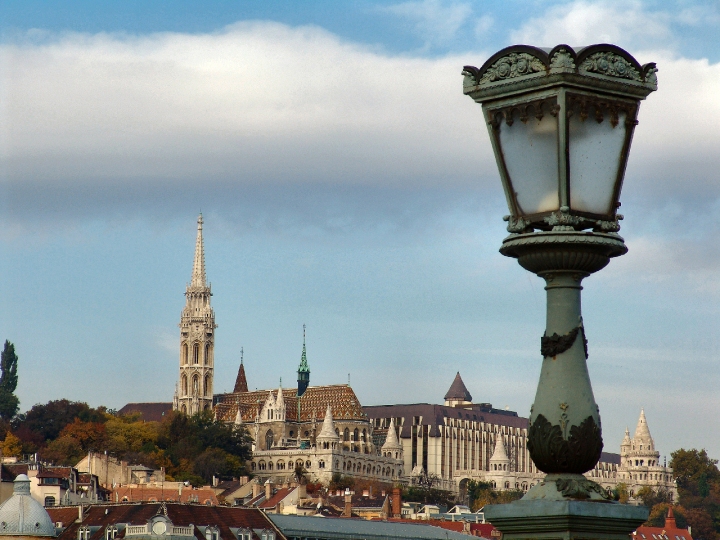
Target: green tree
[[698, 481], [9, 403]]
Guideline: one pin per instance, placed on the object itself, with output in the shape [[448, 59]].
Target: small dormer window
[[84, 533], [111, 533], [211, 533], [244, 534], [267, 535]]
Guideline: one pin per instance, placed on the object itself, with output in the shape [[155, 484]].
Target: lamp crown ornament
[[561, 122]]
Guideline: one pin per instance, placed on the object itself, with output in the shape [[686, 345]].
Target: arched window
[[206, 358], [196, 386], [268, 439], [185, 353], [196, 353], [337, 432], [207, 385], [364, 435], [346, 434], [356, 434], [184, 386], [184, 409], [50, 501]]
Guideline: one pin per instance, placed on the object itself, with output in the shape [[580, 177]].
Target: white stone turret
[[238, 418], [327, 437], [643, 440], [392, 447], [197, 338], [499, 460]]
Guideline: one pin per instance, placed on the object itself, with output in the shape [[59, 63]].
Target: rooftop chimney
[[268, 490], [348, 503], [396, 503]]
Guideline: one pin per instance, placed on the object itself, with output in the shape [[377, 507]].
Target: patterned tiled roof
[[312, 404]]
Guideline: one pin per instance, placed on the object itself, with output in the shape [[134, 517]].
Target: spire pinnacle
[[303, 368], [198, 274]]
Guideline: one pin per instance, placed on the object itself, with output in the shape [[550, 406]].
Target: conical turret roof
[[457, 390], [280, 401], [198, 274], [327, 432], [499, 455], [642, 432], [391, 441]]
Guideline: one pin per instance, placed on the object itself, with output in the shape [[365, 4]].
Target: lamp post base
[[565, 520]]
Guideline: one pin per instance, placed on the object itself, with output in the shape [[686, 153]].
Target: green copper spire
[[303, 370]]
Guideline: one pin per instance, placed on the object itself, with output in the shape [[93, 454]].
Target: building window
[[196, 353], [268, 439], [84, 533], [346, 435], [111, 533], [267, 535], [50, 501]]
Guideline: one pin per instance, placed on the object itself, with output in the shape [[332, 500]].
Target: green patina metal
[[563, 239]]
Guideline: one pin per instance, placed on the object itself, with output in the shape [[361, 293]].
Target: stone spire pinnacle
[[327, 432], [198, 274], [391, 441], [499, 455], [642, 432]]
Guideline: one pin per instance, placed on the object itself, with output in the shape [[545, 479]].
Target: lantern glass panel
[[595, 155], [531, 159]]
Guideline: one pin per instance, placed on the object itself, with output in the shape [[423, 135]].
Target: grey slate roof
[[458, 390], [324, 528]]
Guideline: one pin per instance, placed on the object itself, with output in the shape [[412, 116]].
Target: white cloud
[[435, 21], [254, 102], [581, 22]]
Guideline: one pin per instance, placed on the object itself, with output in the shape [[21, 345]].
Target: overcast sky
[[347, 184]]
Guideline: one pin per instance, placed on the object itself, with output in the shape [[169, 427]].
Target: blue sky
[[346, 184]]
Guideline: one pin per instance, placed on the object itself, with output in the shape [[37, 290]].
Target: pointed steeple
[[391, 441], [303, 379], [642, 432], [499, 455], [280, 400], [327, 432], [198, 274], [241, 381], [238, 417]]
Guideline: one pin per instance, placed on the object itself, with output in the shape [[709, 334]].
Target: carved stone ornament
[[609, 63], [580, 488], [562, 59], [551, 346], [552, 453], [512, 65]]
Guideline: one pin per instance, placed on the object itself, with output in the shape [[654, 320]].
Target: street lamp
[[561, 122]]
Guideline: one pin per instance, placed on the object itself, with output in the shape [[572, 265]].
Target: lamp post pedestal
[[565, 520], [565, 436]]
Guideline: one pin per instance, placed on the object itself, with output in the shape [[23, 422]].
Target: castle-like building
[[461, 441], [325, 429]]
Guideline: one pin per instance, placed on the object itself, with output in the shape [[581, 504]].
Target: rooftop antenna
[[242, 354], [348, 379]]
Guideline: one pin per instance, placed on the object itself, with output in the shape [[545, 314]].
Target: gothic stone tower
[[197, 338]]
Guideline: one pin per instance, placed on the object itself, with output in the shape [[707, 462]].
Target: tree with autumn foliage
[[698, 483]]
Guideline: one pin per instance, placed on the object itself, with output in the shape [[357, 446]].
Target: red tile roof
[[279, 495], [669, 532], [223, 517], [64, 514], [142, 493]]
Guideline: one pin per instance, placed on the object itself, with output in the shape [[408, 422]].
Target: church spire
[[198, 274], [241, 381], [303, 379]]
